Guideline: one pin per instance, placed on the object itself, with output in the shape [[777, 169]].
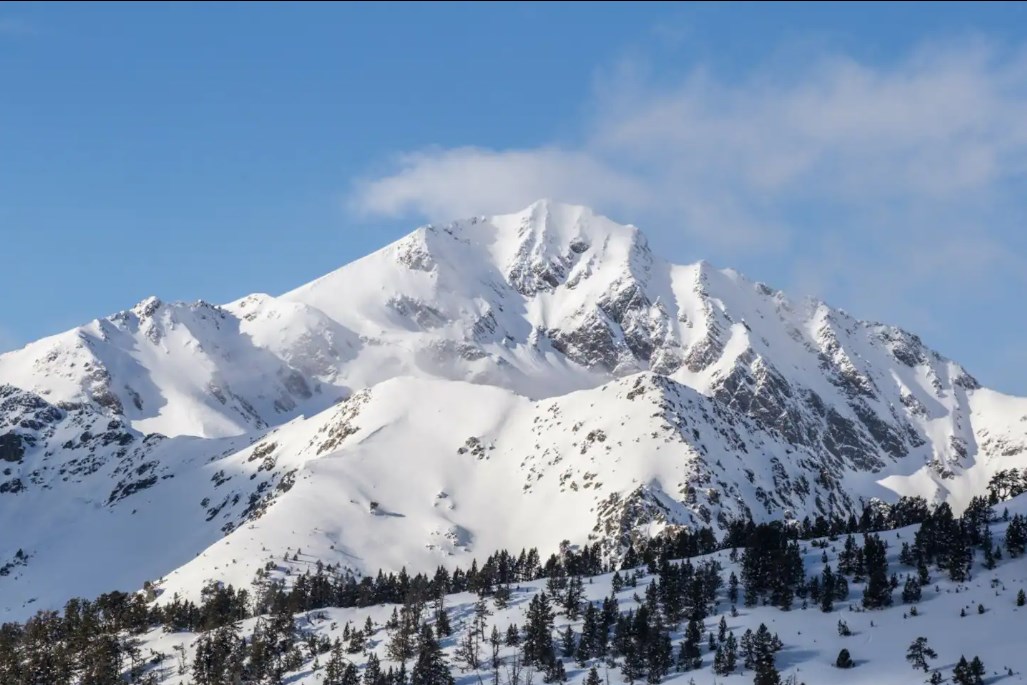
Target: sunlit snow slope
[[497, 382]]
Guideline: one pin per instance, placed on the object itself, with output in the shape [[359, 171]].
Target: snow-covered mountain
[[506, 381]]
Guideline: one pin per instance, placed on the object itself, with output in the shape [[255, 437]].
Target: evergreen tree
[[495, 641], [1021, 598], [977, 670], [538, 632], [730, 653], [918, 654], [336, 665], [572, 598], [593, 677], [827, 590], [431, 667], [844, 659], [403, 641], [567, 643], [961, 674], [481, 615], [555, 672], [442, 625], [763, 658], [102, 661], [911, 591], [877, 593], [373, 671], [468, 649], [350, 675], [218, 657], [660, 656], [720, 661], [1016, 536], [502, 596]]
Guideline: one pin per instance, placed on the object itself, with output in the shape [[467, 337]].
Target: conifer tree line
[[96, 642]]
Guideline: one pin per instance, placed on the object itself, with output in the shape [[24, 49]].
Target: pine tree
[[977, 670], [102, 661], [495, 641], [918, 654], [690, 654], [730, 653], [402, 643], [961, 674], [1016, 536], [720, 661], [878, 590], [763, 658], [660, 656], [572, 598], [538, 629], [827, 590], [442, 626], [911, 591], [335, 666], [513, 636], [748, 649], [722, 629], [350, 675], [468, 649], [373, 671], [501, 596], [431, 667], [218, 658], [844, 659], [555, 672], [1021, 598], [481, 615], [567, 643]]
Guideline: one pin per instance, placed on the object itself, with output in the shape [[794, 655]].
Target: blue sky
[[874, 156]]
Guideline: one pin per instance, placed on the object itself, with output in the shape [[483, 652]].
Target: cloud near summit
[[730, 160]]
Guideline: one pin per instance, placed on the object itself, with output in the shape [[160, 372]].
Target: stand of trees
[[95, 642]]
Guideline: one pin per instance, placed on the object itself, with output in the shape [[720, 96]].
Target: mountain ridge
[[226, 419]]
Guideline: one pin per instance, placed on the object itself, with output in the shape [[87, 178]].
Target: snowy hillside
[[980, 616], [457, 392]]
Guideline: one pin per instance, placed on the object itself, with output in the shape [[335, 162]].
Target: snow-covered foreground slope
[[477, 382], [811, 641]]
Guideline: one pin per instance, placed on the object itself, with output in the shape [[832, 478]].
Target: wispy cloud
[[880, 186], [943, 126]]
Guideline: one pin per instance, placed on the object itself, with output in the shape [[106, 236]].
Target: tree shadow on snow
[[787, 657]]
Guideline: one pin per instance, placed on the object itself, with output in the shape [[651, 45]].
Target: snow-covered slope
[[947, 616], [479, 381]]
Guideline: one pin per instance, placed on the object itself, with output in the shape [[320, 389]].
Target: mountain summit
[[457, 392]]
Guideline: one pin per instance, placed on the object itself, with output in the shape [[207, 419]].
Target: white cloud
[[728, 160], [891, 190], [444, 184]]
